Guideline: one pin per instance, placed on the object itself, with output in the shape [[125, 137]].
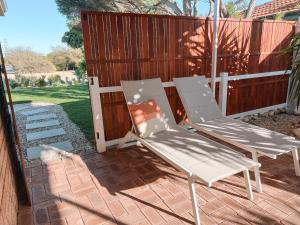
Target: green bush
[[54, 80], [13, 84], [74, 82], [40, 82], [81, 70], [22, 80]]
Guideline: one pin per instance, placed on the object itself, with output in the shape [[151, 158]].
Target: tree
[[72, 8], [190, 7], [232, 9], [65, 58], [279, 16], [211, 8], [294, 81], [73, 37], [195, 8], [24, 60], [187, 7], [80, 71], [243, 7], [223, 10], [250, 8]]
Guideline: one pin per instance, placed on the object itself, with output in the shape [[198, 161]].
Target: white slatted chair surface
[[204, 115], [199, 157]]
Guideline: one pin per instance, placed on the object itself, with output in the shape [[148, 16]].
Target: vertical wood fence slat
[[122, 46]]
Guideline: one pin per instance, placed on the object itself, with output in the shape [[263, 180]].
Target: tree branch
[[250, 8]]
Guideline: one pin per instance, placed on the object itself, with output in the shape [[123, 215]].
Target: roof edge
[[271, 14]]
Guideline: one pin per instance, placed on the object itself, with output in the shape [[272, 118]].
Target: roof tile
[[275, 7]]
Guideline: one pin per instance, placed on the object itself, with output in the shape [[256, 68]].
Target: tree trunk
[[187, 7], [211, 8], [292, 105], [196, 7], [250, 8], [223, 10]]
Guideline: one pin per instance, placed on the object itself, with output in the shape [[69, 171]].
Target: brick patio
[[133, 186]]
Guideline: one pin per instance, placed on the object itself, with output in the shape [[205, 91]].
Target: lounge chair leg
[[125, 139], [296, 162], [257, 173], [194, 201], [248, 184]]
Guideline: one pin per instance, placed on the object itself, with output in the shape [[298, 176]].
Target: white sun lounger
[[200, 158], [204, 115]]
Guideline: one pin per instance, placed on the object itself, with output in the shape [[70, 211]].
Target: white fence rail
[[95, 92]]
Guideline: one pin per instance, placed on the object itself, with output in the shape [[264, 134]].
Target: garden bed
[[277, 120]]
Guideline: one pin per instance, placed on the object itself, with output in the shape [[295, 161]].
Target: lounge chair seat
[[207, 160], [266, 142]]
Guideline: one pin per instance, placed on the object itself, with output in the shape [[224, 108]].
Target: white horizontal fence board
[[259, 75], [111, 89]]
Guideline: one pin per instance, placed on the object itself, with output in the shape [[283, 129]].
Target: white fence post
[[223, 92], [97, 114]]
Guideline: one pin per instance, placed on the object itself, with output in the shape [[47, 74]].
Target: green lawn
[[75, 101]]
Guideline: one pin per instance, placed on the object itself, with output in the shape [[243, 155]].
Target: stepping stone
[[20, 107], [49, 151], [45, 134], [41, 117], [48, 123], [34, 111]]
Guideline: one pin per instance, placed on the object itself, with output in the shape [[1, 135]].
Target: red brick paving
[[133, 186]]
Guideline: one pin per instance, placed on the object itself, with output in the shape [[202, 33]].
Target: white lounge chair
[[200, 158], [204, 115]]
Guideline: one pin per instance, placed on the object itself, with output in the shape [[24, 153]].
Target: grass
[[75, 101]]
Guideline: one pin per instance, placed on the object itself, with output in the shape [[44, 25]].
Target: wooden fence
[[9, 186], [134, 46]]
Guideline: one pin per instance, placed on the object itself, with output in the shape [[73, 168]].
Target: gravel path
[[73, 133]]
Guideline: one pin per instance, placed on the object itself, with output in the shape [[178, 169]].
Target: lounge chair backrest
[[142, 90], [197, 99]]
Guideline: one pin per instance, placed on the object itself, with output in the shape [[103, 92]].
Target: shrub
[[13, 84], [40, 82], [22, 80], [74, 82], [81, 70], [32, 81], [54, 80]]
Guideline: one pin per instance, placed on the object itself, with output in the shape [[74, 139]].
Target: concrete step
[[45, 124], [34, 111], [45, 134], [42, 117], [20, 107], [49, 151]]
